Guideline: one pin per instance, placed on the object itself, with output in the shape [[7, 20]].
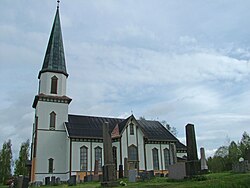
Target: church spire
[[54, 60]]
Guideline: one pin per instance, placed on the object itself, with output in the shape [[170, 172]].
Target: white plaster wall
[[43, 112], [117, 145], [45, 83], [76, 155], [67, 149], [51, 144], [163, 146], [132, 139], [149, 155], [124, 146], [141, 150], [94, 145]]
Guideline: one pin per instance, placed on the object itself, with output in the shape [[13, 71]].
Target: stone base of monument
[[110, 184], [177, 171], [109, 176], [21, 182], [193, 168], [120, 171], [95, 177]]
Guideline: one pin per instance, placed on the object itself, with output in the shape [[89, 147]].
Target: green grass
[[216, 180]]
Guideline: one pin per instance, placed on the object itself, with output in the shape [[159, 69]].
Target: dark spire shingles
[[54, 60]]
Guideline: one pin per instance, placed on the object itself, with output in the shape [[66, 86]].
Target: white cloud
[[143, 56]]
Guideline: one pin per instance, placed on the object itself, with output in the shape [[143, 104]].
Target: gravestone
[[204, 167], [72, 180], [173, 157], [125, 167], [120, 171], [21, 182], [144, 175], [193, 166], [151, 174], [47, 180], [88, 178], [132, 174], [53, 180], [177, 171], [58, 181], [240, 167], [109, 171]]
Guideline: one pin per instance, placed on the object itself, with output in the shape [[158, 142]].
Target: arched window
[[98, 157], [131, 128], [51, 165], [155, 159], [54, 81], [52, 123], [83, 158], [132, 153], [166, 158]]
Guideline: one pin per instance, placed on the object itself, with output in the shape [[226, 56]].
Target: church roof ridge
[[54, 60]]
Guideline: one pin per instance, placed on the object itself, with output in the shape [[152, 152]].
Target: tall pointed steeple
[[54, 60]]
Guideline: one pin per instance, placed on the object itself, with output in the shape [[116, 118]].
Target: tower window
[[51, 161], [52, 124], [83, 158], [54, 81]]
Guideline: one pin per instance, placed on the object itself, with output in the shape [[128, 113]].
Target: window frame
[[52, 123], [84, 158], [98, 156], [131, 129], [132, 153], [155, 157], [54, 85], [51, 166]]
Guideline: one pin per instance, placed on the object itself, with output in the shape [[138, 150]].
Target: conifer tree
[[20, 163], [5, 161]]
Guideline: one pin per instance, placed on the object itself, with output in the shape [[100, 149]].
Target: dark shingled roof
[[88, 126], [154, 130], [181, 146], [91, 127], [54, 60]]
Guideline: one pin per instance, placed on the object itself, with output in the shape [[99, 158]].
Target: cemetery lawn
[[220, 180]]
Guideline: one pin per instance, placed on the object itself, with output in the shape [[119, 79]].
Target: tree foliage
[[170, 128], [225, 156], [5, 161], [244, 146], [20, 163]]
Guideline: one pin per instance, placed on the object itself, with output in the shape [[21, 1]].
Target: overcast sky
[[174, 60]]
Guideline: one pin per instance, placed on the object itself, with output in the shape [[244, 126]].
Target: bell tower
[[49, 156]]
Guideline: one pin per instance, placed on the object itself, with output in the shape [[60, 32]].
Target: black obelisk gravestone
[[193, 164], [109, 171]]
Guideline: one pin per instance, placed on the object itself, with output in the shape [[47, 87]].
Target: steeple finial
[[58, 1]]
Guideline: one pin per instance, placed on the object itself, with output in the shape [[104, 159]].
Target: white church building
[[65, 144]]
